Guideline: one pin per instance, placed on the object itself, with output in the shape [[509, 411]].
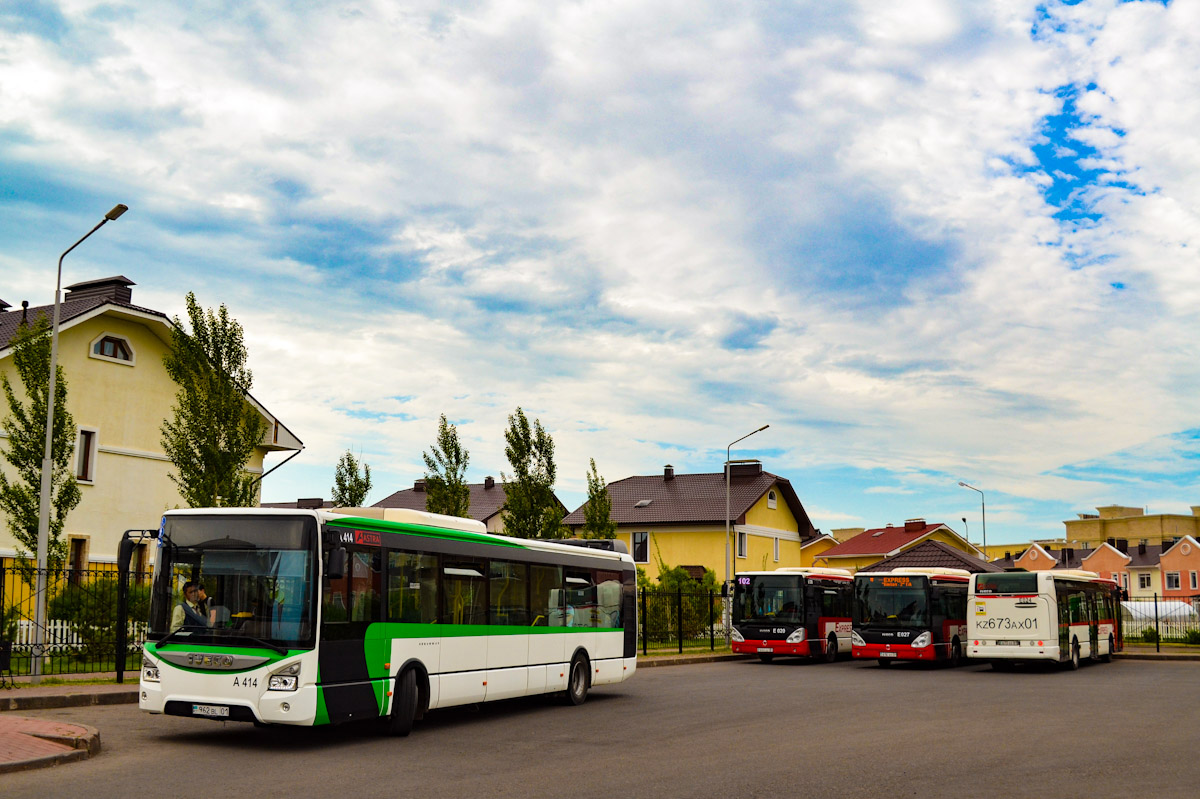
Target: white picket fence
[[59, 634]]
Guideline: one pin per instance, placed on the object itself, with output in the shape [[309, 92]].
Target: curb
[[82, 747], [50, 701], [684, 660], [1155, 656]]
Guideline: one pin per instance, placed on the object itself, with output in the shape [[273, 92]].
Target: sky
[[927, 241]]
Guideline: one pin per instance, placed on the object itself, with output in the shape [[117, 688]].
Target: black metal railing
[[80, 633], [1161, 620], [679, 621]]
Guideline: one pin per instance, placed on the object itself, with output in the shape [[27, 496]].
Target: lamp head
[[117, 210]]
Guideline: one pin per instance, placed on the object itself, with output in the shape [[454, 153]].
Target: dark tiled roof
[[486, 500], [10, 320], [933, 553], [881, 540], [693, 499]]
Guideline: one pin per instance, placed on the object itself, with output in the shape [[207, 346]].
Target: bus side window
[[509, 593], [464, 591], [546, 596], [412, 587]]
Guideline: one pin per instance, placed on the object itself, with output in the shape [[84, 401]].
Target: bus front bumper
[[770, 647], [297, 707], [1026, 650], [893, 652]]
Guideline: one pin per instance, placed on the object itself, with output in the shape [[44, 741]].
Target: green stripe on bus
[[360, 523], [272, 656]]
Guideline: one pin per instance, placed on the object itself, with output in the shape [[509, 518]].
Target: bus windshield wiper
[[171, 635], [283, 650]]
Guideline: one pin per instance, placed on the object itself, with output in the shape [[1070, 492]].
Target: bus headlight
[[285, 679], [796, 637], [923, 640], [150, 671], [736, 635], [856, 639]]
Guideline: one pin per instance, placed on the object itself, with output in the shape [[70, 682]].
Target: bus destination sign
[[897, 582]]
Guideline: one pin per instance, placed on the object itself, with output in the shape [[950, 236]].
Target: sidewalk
[[34, 743]]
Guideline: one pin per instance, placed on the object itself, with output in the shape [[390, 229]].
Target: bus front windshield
[[221, 578], [899, 601], [768, 598]]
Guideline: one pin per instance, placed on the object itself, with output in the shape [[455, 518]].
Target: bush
[[1150, 635], [1192, 637], [91, 611]]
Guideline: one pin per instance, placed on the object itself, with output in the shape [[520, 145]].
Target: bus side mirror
[[336, 569]]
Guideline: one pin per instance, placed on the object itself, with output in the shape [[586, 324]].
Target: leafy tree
[[214, 429], [446, 462], [349, 487], [530, 507], [25, 426], [597, 513]]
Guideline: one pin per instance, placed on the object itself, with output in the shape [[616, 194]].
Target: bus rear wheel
[[956, 658], [404, 705], [577, 681], [1112, 645]]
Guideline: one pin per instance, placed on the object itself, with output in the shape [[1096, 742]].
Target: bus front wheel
[[956, 658], [577, 681], [1112, 646], [404, 705], [831, 649]]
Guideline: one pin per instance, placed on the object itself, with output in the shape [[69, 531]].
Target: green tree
[[530, 507], [213, 430], [25, 428], [597, 513], [349, 486], [446, 462]]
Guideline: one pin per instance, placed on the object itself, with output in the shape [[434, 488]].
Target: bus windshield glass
[[899, 601], [223, 578], [1006, 583], [768, 598]]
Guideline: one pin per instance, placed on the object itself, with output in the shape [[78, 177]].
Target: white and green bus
[[322, 617]]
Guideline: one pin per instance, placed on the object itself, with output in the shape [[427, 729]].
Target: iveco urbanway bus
[[318, 617], [1061, 615], [911, 614], [792, 611]]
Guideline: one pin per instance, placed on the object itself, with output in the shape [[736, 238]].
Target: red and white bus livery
[[911, 614], [792, 611]]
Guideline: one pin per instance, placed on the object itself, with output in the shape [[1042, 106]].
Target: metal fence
[[80, 634], [1161, 620], [674, 620]]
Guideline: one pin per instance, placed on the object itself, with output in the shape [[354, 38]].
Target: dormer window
[[109, 347], [772, 502]]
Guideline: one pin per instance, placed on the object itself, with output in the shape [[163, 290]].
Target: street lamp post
[[43, 534], [728, 558], [982, 513], [966, 529]]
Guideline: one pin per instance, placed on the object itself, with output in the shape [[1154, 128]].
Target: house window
[[1143, 581], [113, 347], [772, 502], [1172, 581], [776, 550], [85, 456], [743, 544], [641, 547], [1125, 580], [78, 559], [1194, 584]]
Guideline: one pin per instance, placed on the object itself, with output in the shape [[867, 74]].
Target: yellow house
[[679, 520], [871, 546], [1113, 523], [111, 353]]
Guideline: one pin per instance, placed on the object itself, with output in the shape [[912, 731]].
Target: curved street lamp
[[982, 513], [47, 467], [728, 559]]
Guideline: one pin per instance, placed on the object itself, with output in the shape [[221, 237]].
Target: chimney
[[1122, 544], [1141, 549], [488, 482], [419, 486], [114, 288], [4, 306], [1007, 555], [1112, 542], [913, 525], [668, 471], [1068, 552]]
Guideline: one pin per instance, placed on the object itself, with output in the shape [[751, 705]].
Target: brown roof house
[[870, 546], [119, 393], [487, 498], [933, 554], [679, 520]]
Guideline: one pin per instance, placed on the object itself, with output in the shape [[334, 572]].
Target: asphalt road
[[729, 729]]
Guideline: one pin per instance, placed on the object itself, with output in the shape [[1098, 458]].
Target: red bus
[[911, 614], [792, 611]]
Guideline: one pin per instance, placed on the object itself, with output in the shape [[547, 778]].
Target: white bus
[[322, 617], [1061, 615]]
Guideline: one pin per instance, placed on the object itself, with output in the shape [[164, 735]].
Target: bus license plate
[[887, 654], [215, 711], [1008, 643], [765, 649]]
